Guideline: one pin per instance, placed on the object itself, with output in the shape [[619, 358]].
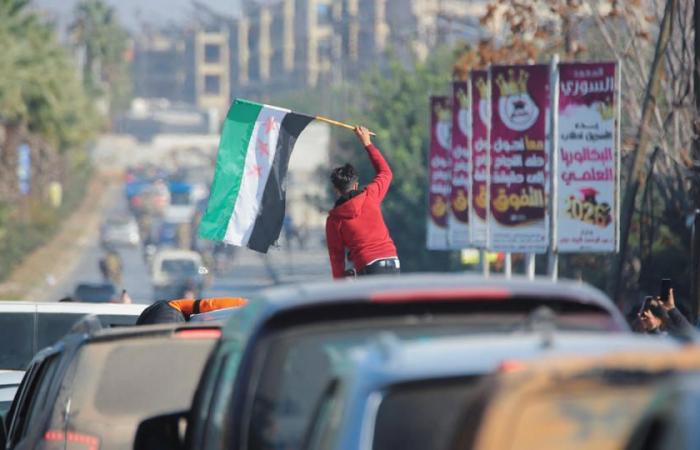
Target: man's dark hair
[[344, 177]]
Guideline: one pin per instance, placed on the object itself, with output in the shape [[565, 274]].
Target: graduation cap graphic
[[589, 195]]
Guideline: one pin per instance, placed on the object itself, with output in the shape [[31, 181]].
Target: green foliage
[[43, 92], [395, 106], [104, 41]]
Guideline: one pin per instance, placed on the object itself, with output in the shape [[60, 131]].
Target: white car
[[9, 382], [120, 231], [26, 327], [172, 270]]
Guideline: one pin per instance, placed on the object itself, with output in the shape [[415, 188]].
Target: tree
[[104, 44]]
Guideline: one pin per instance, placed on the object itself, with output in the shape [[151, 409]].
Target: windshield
[[300, 364], [95, 293], [422, 415], [179, 267], [115, 385]]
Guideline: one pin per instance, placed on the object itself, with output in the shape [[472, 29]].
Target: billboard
[[518, 159], [439, 172], [461, 165], [587, 158]]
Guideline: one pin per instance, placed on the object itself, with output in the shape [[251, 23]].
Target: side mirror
[[162, 432]]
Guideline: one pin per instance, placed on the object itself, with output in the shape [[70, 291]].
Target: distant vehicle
[[272, 342], [9, 382], [120, 231], [27, 327], [411, 395], [172, 270], [95, 292], [91, 389]]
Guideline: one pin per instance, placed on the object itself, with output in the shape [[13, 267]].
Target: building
[[190, 66], [289, 44]]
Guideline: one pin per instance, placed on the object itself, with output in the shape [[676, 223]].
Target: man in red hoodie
[[356, 224]]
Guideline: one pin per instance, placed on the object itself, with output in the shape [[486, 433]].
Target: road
[[249, 271]]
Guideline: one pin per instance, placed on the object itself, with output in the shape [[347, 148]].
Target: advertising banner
[[518, 163], [458, 236], [439, 173], [480, 94], [587, 158]]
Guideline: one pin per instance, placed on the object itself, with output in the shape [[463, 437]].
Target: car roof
[[8, 377], [73, 307], [416, 288], [391, 361]]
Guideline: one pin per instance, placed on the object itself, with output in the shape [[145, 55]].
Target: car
[[9, 382], [273, 343], [587, 402], [27, 327], [95, 292], [119, 231], [410, 395], [92, 388], [172, 270]]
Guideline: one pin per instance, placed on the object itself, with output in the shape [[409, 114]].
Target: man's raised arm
[[380, 184]]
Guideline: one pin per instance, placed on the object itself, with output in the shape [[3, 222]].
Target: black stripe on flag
[[268, 224]]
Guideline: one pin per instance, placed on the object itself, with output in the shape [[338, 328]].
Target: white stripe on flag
[[258, 162]]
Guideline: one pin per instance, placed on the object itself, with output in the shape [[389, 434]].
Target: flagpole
[[338, 124]]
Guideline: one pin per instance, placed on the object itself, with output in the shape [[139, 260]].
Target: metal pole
[[530, 269], [508, 269], [485, 266], [553, 254]]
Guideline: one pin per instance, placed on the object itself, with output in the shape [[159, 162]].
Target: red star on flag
[[256, 171], [263, 147], [270, 125]]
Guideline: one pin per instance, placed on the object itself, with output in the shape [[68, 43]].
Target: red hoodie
[[357, 224]]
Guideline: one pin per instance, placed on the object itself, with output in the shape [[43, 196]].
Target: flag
[[247, 197]]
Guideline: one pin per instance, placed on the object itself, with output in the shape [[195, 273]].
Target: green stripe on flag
[[230, 163]]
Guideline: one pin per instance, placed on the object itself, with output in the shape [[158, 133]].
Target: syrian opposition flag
[[247, 199]]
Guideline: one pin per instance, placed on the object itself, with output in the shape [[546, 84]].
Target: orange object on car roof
[[189, 307]]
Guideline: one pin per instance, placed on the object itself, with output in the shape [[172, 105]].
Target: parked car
[[95, 292], [118, 231], [587, 402], [27, 327], [273, 345], [411, 395], [172, 270], [91, 389], [9, 382]]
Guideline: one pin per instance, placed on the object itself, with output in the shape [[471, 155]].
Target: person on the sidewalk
[[356, 224]]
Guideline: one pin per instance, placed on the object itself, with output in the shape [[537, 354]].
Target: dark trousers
[[381, 267]]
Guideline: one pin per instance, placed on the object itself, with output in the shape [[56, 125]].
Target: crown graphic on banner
[[463, 99], [606, 110], [512, 86], [442, 113], [483, 88]]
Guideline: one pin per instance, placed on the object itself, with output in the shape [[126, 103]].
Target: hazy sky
[[151, 11]]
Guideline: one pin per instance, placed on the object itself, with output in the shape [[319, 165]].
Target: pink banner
[[519, 105], [481, 121], [587, 158], [460, 182], [440, 172]]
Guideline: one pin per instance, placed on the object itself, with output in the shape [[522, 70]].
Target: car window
[[45, 381], [422, 415], [118, 384], [298, 366], [30, 390], [51, 327], [17, 337], [177, 267]]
